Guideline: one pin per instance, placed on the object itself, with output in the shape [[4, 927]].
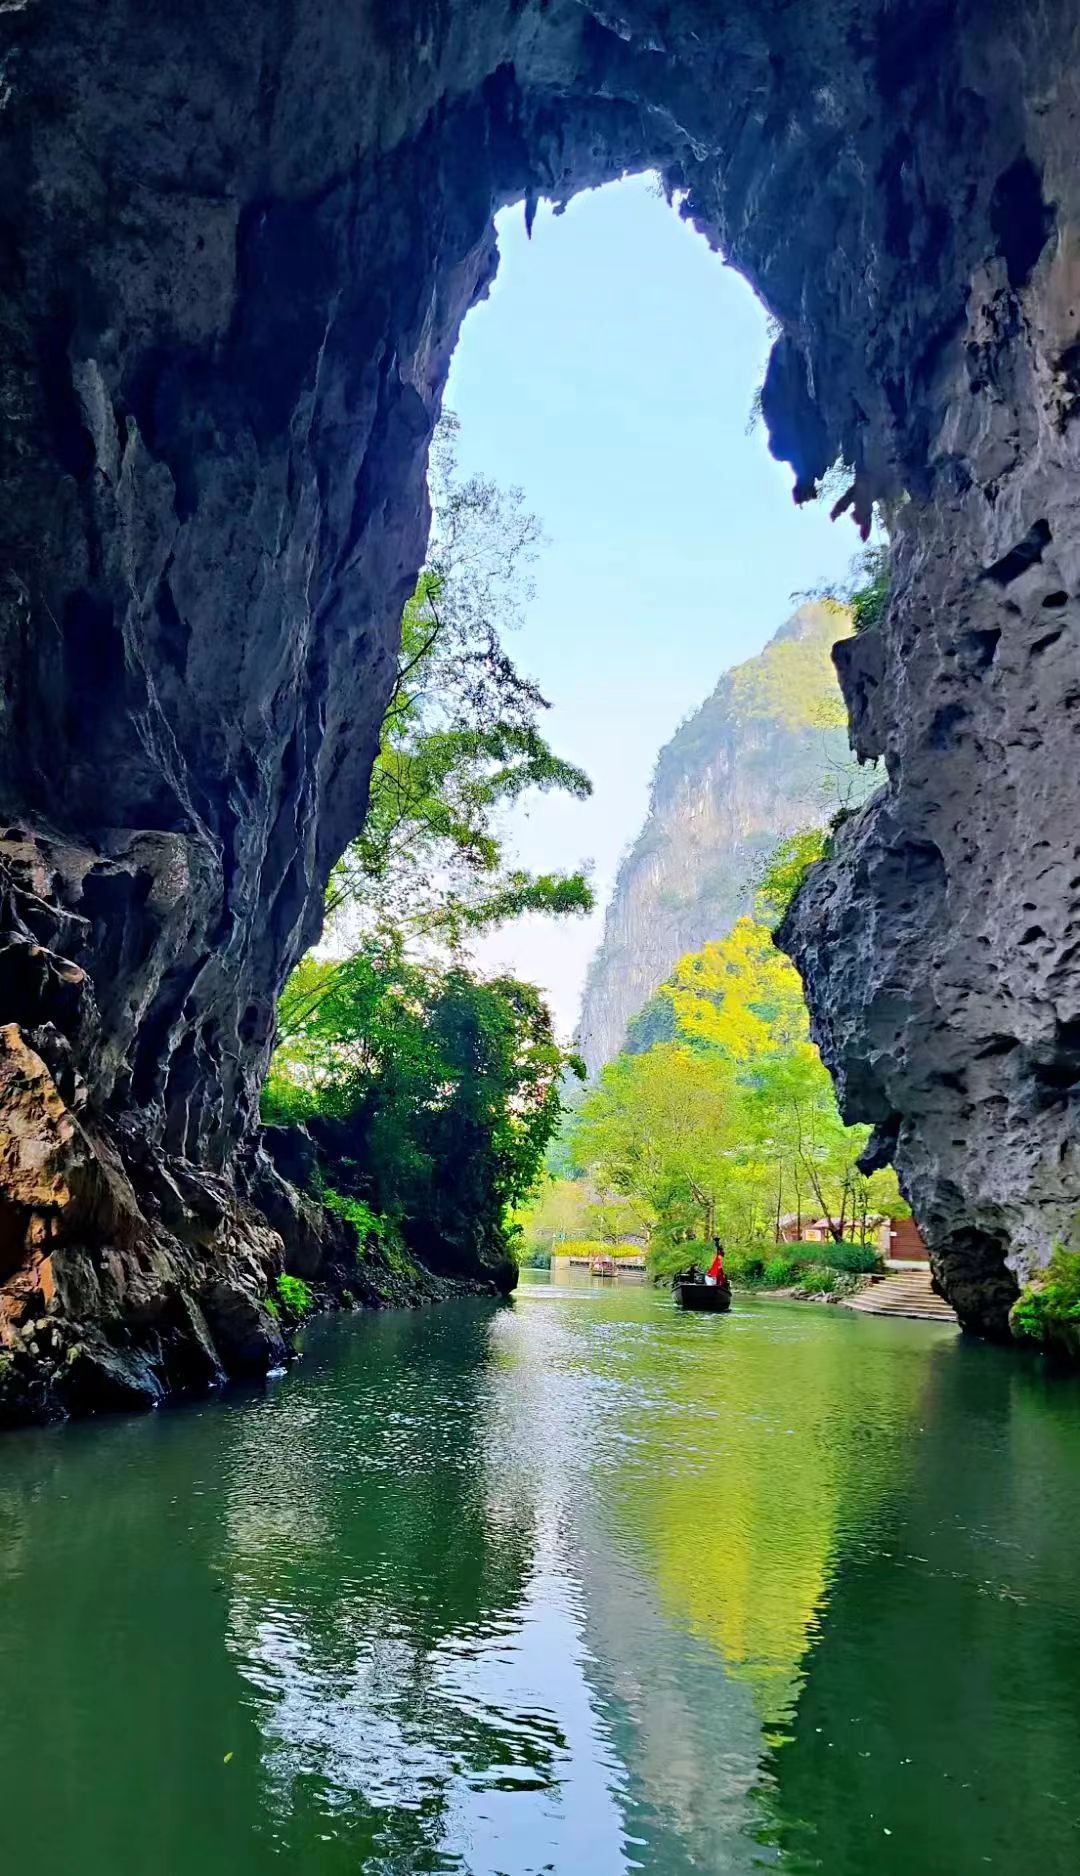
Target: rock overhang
[[235, 257]]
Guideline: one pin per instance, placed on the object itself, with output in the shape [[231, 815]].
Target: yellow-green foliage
[[734, 1123], [740, 994], [593, 1247], [572, 1208], [657, 1128], [794, 679], [786, 870]]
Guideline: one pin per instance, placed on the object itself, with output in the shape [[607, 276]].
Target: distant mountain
[[766, 755]]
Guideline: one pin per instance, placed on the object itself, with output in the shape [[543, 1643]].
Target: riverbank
[[906, 1292], [202, 1287], [794, 1293]]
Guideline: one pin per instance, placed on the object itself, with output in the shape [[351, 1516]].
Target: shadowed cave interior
[[236, 254]]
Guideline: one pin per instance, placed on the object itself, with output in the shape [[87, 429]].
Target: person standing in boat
[[715, 1272]]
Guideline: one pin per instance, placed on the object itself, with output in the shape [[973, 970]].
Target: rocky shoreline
[[138, 1278]]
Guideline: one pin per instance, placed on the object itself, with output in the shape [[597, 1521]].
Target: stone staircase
[[903, 1293]]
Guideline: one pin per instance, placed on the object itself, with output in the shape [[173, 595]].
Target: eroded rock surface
[[236, 247], [941, 943]]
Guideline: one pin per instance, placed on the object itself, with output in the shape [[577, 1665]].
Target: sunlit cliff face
[[765, 756], [236, 254]]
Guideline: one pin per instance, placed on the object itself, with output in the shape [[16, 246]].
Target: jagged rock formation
[[941, 942], [765, 755], [235, 251]]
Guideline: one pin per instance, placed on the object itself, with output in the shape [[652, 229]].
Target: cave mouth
[[611, 373], [236, 257]]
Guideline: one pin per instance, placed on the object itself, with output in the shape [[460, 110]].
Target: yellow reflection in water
[[765, 1447]]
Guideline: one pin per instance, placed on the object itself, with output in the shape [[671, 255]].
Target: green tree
[[658, 1128], [654, 1022], [431, 1095], [743, 997], [561, 1160], [557, 1209], [460, 739], [734, 1124], [795, 1124], [575, 1210]]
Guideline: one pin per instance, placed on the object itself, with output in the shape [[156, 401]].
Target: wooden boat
[[602, 1267], [713, 1297]]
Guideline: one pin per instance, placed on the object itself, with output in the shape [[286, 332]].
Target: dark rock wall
[[236, 245], [941, 944]]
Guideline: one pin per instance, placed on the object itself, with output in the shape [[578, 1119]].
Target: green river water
[[574, 1585]]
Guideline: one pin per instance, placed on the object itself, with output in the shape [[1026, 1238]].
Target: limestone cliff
[[766, 754], [236, 246]]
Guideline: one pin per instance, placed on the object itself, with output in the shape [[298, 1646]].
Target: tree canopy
[[731, 1125], [661, 1128], [431, 1095], [460, 739], [430, 1091]]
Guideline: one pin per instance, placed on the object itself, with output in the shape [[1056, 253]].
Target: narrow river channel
[[575, 1585]]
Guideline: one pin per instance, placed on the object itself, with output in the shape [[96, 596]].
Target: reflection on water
[[579, 1585]]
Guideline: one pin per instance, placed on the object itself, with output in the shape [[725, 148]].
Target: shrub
[[818, 1281], [1047, 1311], [785, 871], [294, 1298], [745, 1266], [368, 1223], [863, 1258], [869, 601], [780, 1271], [376, 1236], [594, 1247]]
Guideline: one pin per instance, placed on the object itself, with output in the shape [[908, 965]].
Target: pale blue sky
[[610, 375]]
